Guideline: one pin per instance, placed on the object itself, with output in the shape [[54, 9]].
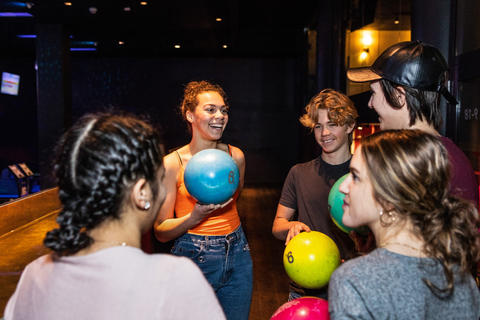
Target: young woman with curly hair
[[209, 234]]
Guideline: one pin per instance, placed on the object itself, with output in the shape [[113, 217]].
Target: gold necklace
[[401, 244], [123, 244]]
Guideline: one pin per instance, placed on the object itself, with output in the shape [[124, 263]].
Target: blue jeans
[[226, 263]]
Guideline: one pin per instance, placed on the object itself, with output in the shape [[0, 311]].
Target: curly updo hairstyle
[[410, 171], [97, 163], [191, 92]]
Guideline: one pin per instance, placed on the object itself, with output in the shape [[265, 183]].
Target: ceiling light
[[93, 10], [225, 46], [126, 8], [121, 42], [29, 5], [367, 39], [397, 21], [143, 3], [177, 46], [68, 3], [218, 19]]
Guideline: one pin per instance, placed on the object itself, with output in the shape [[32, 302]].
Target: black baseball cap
[[413, 64]]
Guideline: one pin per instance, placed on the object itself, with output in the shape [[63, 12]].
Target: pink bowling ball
[[305, 308]]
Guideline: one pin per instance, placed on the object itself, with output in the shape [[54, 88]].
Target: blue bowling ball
[[211, 176]]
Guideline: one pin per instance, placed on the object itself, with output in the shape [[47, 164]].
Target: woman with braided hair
[[427, 239], [109, 172]]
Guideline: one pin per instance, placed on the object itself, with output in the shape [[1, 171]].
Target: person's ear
[[189, 116], [141, 195], [400, 92], [350, 128]]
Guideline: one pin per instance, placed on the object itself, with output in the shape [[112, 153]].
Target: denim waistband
[[212, 240]]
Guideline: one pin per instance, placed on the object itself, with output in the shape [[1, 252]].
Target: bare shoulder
[[172, 166], [170, 161], [238, 155]]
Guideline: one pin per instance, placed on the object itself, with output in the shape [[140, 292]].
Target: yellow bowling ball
[[310, 259]]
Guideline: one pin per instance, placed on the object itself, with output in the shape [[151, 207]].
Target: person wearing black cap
[[407, 82]]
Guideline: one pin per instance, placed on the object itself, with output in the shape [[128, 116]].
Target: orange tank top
[[219, 222]]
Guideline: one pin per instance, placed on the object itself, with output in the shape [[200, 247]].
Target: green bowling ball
[[335, 203]]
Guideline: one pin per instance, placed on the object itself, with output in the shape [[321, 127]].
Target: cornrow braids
[[98, 161]]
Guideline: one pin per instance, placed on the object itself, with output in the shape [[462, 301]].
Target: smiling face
[[210, 116], [388, 117], [329, 136], [360, 207]]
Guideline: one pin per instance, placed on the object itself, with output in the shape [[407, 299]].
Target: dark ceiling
[[247, 27]]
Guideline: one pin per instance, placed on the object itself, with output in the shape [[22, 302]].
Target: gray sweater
[[386, 285]]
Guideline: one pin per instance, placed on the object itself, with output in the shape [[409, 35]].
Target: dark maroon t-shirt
[[463, 182]]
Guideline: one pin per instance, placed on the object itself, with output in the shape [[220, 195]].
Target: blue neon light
[[14, 14], [83, 49]]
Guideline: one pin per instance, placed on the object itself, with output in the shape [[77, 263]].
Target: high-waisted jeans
[[227, 265]]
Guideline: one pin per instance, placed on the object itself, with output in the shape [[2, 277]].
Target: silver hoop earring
[[147, 205]]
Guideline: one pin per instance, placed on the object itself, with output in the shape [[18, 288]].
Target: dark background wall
[[18, 116], [265, 97]]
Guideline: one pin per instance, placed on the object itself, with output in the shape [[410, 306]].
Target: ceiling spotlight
[[68, 3], [29, 5], [121, 42], [143, 3], [126, 8], [177, 46], [93, 10], [396, 20], [225, 46], [218, 19]]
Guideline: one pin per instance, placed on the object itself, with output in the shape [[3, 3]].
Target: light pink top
[[121, 283]]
